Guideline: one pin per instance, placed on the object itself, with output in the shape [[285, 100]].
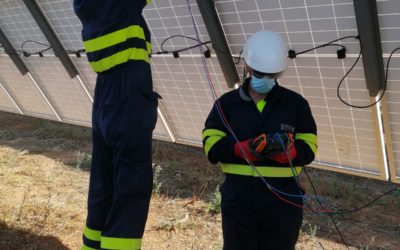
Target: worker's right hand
[[251, 149]]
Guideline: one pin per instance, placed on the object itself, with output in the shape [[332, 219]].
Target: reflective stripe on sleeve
[[149, 47], [265, 171], [211, 136], [212, 132], [210, 142], [310, 139], [121, 243]]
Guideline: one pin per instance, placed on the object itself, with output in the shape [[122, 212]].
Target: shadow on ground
[[12, 238], [179, 171], [69, 144]]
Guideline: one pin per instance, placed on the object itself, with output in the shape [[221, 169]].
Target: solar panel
[[19, 26], [305, 24], [181, 82], [63, 19], [186, 97], [350, 140], [22, 89], [65, 93]]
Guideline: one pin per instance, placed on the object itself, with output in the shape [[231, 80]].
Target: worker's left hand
[[288, 150]]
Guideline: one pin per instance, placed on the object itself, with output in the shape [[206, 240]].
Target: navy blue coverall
[[253, 218], [117, 44]]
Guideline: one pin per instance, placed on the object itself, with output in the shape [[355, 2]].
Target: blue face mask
[[262, 85]]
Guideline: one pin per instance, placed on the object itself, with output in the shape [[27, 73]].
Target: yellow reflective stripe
[[214, 135], [265, 171], [148, 1], [91, 234], [212, 132], [310, 139], [210, 142], [87, 248], [149, 47], [260, 105], [120, 243], [119, 58], [114, 38]]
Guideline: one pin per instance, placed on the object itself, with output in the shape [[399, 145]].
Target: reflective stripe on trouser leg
[[127, 218], [133, 186], [100, 184], [91, 239]]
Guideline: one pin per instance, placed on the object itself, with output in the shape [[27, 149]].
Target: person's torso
[[279, 114], [114, 32]]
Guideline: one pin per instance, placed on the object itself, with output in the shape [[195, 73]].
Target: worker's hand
[[251, 149], [281, 148]]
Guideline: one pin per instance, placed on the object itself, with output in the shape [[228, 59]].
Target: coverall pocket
[[151, 95], [128, 116]]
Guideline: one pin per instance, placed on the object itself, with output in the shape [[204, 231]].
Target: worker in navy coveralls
[[117, 44], [253, 217]]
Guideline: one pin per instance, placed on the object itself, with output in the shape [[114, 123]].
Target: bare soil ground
[[44, 169]]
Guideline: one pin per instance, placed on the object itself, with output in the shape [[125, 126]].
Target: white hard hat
[[266, 51]]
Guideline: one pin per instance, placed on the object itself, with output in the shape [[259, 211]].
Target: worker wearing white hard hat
[[265, 137]]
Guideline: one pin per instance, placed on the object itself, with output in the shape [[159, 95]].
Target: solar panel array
[[350, 140]]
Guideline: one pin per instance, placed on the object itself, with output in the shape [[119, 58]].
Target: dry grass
[[43, 189]]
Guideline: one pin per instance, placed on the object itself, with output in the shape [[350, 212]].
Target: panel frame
[[388, 139], [166, 122]]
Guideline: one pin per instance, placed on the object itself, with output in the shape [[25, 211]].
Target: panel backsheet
[[187, 98], [66, 94], [23, 90], [5, 102]]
